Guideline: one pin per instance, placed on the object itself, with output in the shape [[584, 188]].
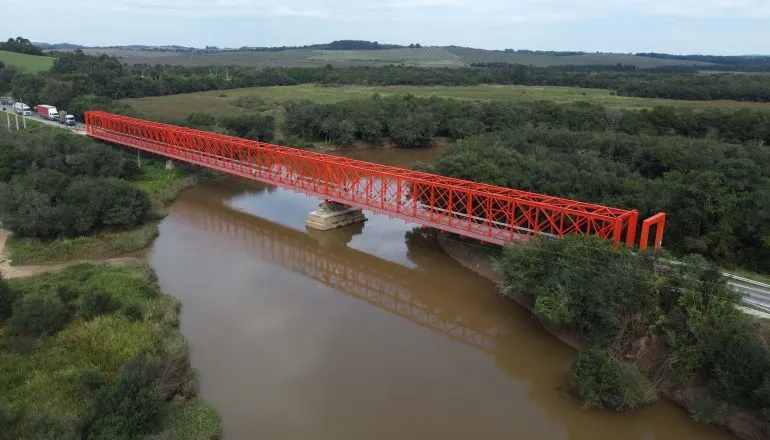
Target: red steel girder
[[486, 212]]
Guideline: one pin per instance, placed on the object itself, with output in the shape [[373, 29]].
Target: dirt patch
[[7, 271]]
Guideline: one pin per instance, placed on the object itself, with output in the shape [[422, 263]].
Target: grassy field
[[470, 55], [9, 117], [221, 102], [42, 378], [27, 63], [421, 57]]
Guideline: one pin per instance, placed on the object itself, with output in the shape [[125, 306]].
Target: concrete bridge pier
[[330, 215]]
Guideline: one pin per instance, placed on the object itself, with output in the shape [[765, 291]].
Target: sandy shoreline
[[7, 271]]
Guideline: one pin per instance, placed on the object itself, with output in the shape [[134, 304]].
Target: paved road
[[34, 117], [756, 295]]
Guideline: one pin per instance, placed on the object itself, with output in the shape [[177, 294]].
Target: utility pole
[[24, 121], [8, 120], [17, 122]]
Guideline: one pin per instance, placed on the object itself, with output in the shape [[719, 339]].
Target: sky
[[722, 27]]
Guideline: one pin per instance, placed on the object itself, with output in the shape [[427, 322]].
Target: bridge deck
[[489, 213]]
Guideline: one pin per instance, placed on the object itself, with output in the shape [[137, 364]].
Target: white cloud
[[555, 24], [512, 10]]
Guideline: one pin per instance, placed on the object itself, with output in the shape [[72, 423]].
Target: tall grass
[[25, 251], [41, 385]]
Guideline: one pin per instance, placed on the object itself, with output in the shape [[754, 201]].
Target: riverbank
[[649, 354], [161, 185], [89, 345], [484, 263], [95, 350]]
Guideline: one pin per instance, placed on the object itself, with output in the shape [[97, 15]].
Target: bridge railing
[[486, 212]]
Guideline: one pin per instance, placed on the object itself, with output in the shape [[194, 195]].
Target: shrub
[[96, 304], [705, 409], [37, 315], [734, 381], [6, 419], [763, 397], [92, 380], [133, 312], [574, 282], [66, 294], [604, 382], [7, 297], [130, 408]]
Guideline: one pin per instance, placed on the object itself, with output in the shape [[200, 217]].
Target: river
[[367, 332]]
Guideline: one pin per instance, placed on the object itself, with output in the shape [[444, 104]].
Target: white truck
[[22, 109], [66, 119]]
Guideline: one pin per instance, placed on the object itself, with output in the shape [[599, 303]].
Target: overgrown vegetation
[[716, 194], [411, 121], [76, 77], [95, 352], [68, 197], [650, 327], [54, 184]]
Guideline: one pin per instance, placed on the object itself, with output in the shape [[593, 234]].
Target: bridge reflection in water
[[436, 294], [322, 256]]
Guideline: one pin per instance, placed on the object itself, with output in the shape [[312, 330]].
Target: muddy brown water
[[367, 332]]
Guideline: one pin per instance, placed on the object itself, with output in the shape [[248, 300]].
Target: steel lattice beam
[[485, 212]]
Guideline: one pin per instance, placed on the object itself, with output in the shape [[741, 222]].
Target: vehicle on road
[[48, 112], [66, 118], [22, 109]]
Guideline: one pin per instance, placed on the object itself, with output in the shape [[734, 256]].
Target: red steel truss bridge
[[488, 213]]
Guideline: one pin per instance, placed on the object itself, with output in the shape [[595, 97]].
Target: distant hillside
[[56, 46], [414, 56], [27, 63], [545, 59], [345, 53]]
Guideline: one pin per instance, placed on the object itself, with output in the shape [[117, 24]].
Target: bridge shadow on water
[[482, 320]]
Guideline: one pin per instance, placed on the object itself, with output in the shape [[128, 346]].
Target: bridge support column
[[330, 215], [169, 164]]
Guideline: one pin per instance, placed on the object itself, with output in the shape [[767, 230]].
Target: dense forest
[[412, 122], [649, 328], [54, 184], [76, 78], [716, 194]]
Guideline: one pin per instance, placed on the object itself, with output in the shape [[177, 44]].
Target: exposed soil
[[7, 271]]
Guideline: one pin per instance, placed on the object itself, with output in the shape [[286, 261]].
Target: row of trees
[[716, 194], [20, 45], [410, 121], [76, 74], [53, 184], [647, 326]]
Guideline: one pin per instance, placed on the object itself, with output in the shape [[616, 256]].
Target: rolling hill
[[27, 63], [310, 56]]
